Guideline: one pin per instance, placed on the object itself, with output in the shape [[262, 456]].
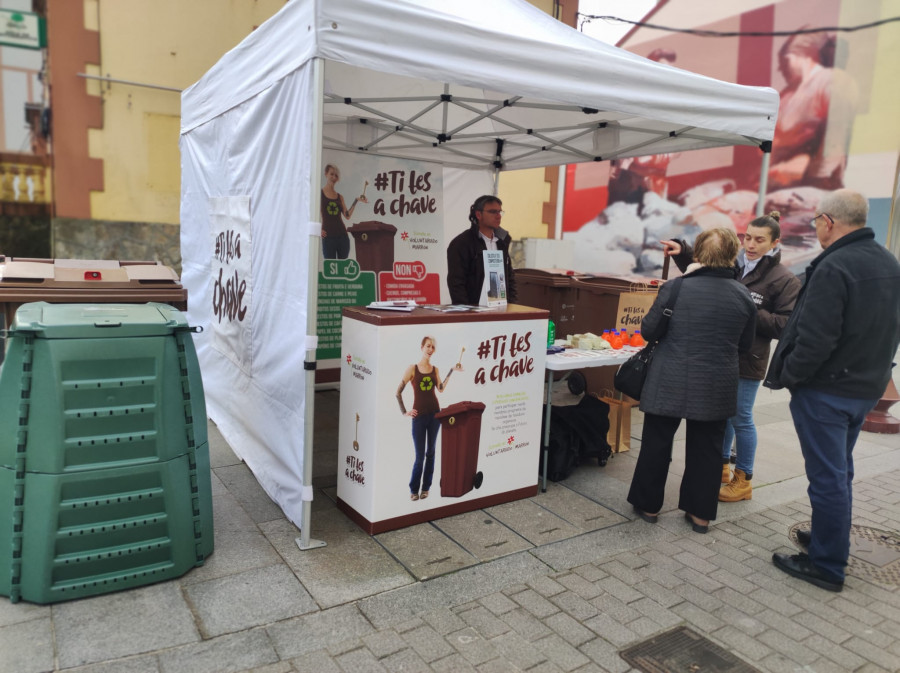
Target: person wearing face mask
[[774, 290]]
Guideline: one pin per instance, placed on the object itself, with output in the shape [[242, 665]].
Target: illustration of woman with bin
[[335, 239], [426, 382]]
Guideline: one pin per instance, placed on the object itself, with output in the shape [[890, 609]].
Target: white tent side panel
[[258, 149]]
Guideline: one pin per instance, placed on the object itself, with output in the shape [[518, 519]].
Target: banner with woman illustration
[[382, 237]]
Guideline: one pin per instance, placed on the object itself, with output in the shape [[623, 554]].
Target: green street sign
[[26, 30]]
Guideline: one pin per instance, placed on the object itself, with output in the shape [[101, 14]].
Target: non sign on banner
[[424, 291]]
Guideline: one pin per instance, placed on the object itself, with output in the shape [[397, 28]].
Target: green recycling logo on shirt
[[426, 384], [332, 208]]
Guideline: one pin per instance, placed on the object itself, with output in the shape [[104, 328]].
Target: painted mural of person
[[426, 383], [335, 239], [815, 118]]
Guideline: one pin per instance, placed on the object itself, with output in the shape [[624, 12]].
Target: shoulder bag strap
[[668, 309]]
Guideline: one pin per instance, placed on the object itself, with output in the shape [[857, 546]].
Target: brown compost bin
[[552, 290], [374, 245], [460, 439]]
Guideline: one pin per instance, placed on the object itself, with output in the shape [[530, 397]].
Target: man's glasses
[[812, 222], [495, 212]]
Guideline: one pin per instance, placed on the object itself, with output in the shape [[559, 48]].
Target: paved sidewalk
[[585, 583]]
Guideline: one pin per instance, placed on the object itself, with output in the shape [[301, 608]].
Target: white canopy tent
[[472, 85]]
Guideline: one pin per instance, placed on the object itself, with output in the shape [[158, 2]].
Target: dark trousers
[[827, 427], [336, 247], [425, 428], [702, 466]]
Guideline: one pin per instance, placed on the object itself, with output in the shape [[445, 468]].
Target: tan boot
[[739, 488], [726, 473]]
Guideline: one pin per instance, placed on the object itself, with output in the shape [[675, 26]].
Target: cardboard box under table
[[488, 427]]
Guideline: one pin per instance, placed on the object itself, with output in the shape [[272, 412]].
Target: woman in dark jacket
[[693, 376], [774, 291]]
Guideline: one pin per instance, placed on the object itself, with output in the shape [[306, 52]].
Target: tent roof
[[477, 84]]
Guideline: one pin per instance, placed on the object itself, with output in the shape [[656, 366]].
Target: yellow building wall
[[168, 43]]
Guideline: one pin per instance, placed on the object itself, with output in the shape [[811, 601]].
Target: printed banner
[[229, 222]]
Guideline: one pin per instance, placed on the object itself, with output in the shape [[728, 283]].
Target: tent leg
[[560, 202], [763, 180], [304, 542]]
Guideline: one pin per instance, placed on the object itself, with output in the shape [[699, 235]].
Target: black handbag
[[632, 373]]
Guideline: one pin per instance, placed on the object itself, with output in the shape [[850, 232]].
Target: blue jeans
[[828, 426], [425, 428], [741, 425]]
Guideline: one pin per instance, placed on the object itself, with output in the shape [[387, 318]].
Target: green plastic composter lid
[[77, 321]]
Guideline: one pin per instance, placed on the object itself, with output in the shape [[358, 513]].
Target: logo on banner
[[499, 348]]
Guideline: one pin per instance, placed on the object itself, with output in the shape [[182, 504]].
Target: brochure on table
[[493, 293], [502, 367]]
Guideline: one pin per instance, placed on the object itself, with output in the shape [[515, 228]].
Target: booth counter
[[486, 419]]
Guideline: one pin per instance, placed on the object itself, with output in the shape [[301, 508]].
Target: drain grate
[[682, 650], [874, 553]]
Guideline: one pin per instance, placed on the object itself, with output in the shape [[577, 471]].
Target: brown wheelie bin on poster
[[460, 438], [374, 245]]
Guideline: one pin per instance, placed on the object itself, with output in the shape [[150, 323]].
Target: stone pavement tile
[[631, 560], [485, 622], [444, 620], [546, 586], [787, 646], [482, 535], [696, 563], [876, 655], [239, 545], [870, 634], [27, 647], [697, 545], [577, 584], [605, 655], [611, 606], [425, 551], [546, 667], [220, 453], [143, 620], [410, 625], [698, 597], [226, 654], [819, 626], [580, 511], [498, 603], [561, 653], [242, 484], [590, 572], [785, 625], [887, 611], [658, 593], [873, 668], [251, 598], [728, 564], [391, 607], [517, 651], [139, 664], [525, 624], [850, 607], [733, 582], [318, 630], [731, 613], [405, 660], [567, 554], [534, 523], [534, 603], [571, 630], [427, 643], [739, 601], [344, 646], [16, 613], [845, 658], [352, 565], [279, 667], [619, 589], [473, 646], [650, 608], [644, 627], [747, 647], [697, 618], [360, 661], [621, 571], [574, 605], [610, 629], [699, 580], [318, 660], [497, 666], [384, 643], [455, 663], [589, 667]]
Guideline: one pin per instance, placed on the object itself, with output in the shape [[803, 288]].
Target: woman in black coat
[[693, 376]]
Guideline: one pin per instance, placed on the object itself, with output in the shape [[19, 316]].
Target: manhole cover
[[874, 553], [683, 651]]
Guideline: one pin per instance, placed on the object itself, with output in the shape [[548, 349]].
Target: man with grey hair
[[835, 356]]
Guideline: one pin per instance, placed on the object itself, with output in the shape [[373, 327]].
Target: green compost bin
[[104, 458]]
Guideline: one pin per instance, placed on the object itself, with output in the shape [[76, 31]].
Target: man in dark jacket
[[835, 356], [465, 255]]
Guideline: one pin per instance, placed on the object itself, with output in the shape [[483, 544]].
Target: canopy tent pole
[[312, 291], [766, 148], [560, 202]]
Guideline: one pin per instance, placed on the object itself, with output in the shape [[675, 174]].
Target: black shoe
[[696, 527], [733, 457], [804, 537], [802, 568], [649, 518]]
